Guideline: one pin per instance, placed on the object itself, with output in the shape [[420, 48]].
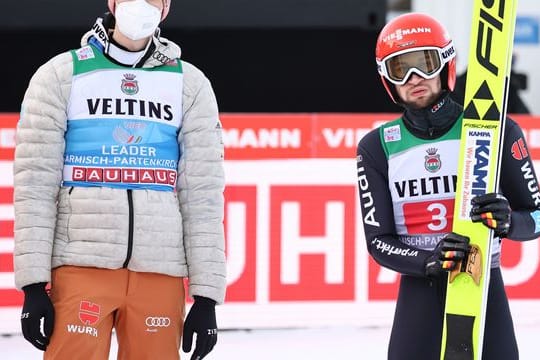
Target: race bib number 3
[[429, 217]]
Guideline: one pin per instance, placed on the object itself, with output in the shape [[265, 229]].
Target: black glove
[[201, 320], [493, 210], [450, 249], [37, 305]]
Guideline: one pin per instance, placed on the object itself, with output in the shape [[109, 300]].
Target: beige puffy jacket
[[174, 233]]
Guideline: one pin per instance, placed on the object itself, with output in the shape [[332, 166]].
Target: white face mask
[[137, 19]]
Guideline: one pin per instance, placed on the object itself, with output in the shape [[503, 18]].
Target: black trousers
[[418, 321]]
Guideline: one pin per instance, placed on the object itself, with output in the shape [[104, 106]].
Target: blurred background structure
[[263, 55]]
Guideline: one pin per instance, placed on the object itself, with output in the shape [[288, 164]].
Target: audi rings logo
[[153, 321], [159, 56]]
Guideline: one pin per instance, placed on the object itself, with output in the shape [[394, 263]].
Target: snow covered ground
[[287, 344]]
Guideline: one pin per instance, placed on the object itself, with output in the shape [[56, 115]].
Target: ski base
[[459, 345]]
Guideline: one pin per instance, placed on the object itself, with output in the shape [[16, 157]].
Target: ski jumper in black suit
[[407, 175]]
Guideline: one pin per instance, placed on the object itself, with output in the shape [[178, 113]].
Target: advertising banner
[[296, 254]]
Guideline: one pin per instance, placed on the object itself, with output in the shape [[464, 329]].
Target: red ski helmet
[[415, 43], [166, 7]]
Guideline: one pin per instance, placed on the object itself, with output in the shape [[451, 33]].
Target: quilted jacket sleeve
[[38, 169], [201, 184]]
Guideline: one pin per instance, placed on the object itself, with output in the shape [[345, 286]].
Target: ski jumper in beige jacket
[[61, 219]]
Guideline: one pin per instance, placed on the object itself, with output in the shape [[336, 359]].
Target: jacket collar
[[160, 51], [435, 120]]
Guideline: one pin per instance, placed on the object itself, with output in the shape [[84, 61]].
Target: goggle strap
[[448, 52]]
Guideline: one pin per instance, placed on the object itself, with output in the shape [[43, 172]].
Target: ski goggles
[[426, 62]]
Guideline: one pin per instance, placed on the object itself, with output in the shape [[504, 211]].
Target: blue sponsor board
[[527, 30]]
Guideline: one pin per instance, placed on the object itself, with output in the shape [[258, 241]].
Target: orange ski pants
[[145, 309]]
